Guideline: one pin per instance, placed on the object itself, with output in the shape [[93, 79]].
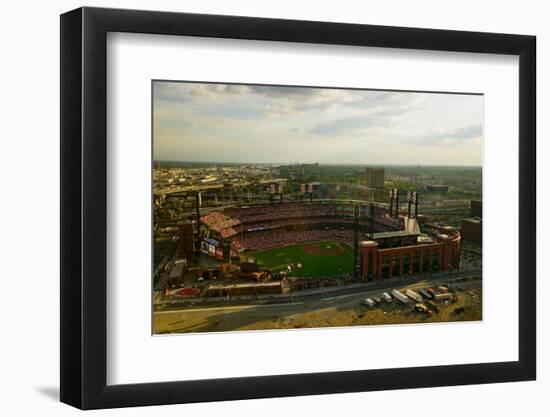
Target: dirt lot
[[320, 313]]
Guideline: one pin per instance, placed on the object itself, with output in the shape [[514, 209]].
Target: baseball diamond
[[315, 259]]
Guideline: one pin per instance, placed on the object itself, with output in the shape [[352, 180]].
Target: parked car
[[387, 297], [420, 308], [368, 302]]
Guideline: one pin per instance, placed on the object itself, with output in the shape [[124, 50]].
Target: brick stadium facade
[[441, 254]]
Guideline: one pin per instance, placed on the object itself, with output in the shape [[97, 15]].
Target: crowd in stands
[[265, 212], [281, 237], [380, 226], [243, 225]]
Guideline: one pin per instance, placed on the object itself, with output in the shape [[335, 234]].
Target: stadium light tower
[[371, 221], [355, 241], [415, 198], [396, 215], [198, 204]]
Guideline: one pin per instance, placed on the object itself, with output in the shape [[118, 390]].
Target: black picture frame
[[84, 207]]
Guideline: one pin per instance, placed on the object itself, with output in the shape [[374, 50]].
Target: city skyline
[[298, 163], [237, 123]]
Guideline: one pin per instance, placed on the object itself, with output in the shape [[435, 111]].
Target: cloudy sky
[[251, 123]]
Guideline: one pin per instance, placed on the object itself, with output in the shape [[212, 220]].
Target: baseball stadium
[[329, 238]]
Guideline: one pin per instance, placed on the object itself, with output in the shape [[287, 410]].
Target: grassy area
[[317, 259]]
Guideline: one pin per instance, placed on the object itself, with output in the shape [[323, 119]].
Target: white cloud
[[228, 122]]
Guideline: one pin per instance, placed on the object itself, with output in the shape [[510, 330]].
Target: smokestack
[[391, 202], [415, 204], [409, 200]]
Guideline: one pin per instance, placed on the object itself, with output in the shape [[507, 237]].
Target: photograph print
[[294, 207]]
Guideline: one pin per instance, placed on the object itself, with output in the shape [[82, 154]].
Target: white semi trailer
[[414, 295], [443, 296], [400, 296]]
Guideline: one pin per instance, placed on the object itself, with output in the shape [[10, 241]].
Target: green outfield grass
[[317, 259]]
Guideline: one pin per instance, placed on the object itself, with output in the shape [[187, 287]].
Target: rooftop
[[394, 233], [472, 220], [368, 243]]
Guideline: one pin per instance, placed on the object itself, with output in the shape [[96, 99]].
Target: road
[[322, 293], [321, 309]]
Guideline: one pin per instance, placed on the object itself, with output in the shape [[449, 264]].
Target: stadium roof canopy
[[394, 233]]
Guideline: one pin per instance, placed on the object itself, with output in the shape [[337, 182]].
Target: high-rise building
[[476, 208], [186, 243], [375, 177], [472, 230]]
